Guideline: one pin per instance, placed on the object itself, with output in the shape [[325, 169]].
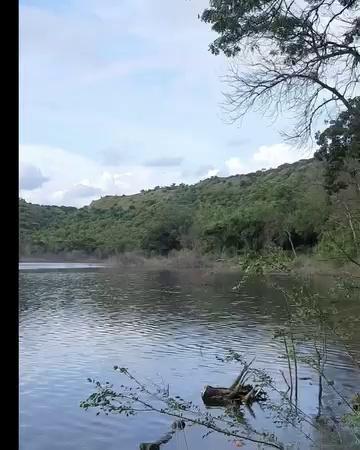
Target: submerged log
[[221, 396], [238, 392]]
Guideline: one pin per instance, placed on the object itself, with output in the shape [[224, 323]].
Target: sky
[[117, 96]]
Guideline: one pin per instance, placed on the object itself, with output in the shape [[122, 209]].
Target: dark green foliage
[[165, 234], [35, 217], [287, 27], [339, 148]]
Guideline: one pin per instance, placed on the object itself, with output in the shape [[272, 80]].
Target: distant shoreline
[[302, 265], [59, 259]]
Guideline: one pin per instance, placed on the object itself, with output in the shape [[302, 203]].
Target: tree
[[302, 55], [285, 202], [165, 232], [339, 149]]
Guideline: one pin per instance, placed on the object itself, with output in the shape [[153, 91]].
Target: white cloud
[[77, 180], [31, 177], [234, 166], [192, 174], [266, 157], [273, 155], [212, 173]]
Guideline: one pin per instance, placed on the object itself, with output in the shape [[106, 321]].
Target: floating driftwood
[[177, 425], [220, 396], [238, 392]]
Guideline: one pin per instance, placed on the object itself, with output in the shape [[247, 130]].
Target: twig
[[289, 365], [287, 384]]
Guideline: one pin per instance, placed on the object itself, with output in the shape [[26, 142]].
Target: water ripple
[[76, 324]]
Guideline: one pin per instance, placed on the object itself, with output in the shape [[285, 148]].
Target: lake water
[[78, 322], [58, 265]]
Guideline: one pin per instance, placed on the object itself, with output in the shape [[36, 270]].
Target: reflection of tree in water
[[165, 294], [164, 439]]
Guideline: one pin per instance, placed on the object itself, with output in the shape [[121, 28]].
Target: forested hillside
[[287, 207]]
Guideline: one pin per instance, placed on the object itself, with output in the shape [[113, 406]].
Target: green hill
[[285, 207]]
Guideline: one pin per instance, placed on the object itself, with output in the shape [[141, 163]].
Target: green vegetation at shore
[[284, 212]]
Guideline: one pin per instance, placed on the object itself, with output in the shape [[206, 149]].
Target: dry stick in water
[[289, 365], [293, 349], [295, 369], [240, 380], [286, 382]]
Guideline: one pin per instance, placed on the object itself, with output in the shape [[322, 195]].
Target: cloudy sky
[[122, 95]]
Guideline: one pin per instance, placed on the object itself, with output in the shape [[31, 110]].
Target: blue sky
[[122, 95]]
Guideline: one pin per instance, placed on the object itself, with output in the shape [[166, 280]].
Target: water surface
[[57, 265], [166, 327]]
